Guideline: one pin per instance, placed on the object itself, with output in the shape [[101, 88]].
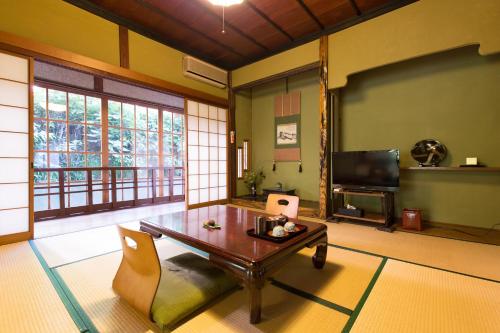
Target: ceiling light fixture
[[224, 4]]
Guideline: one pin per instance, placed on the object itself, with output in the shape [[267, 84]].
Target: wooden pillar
[[323, 126], [232, 144], [123, 47]]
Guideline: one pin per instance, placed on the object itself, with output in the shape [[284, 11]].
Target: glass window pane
[[152, 119], [141, 117], [179, 160], [178, 123], [114, 113], [153, 161], [76, 160], [153, 143], [141, 142], [40, 160], [40, 102], [128, 161], [128, 116], [115, 160], [40, 135], [57, 104], [177, 144], [93, 110], [167, 143], [76, 105], [167, 161], [93, 160], [57, 136], [114, 140], [57, 160], [167, 121], [76, 176], [128, 141], [76, 138], [93, 138]]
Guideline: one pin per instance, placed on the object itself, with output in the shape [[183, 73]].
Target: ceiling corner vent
[[202, 71]]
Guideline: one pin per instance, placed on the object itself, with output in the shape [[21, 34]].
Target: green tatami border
[[82, 321], [311, 297], [364, 297]]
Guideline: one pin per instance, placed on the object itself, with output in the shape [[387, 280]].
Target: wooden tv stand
[[385, 220]]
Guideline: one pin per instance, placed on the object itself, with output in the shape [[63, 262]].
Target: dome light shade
[[225, 3]]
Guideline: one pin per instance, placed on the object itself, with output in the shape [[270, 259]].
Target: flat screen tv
[[366, 170]]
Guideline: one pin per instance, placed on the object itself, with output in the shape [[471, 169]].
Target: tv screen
[[366, 170]]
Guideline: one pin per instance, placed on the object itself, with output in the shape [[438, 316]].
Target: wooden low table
[[249, 259]]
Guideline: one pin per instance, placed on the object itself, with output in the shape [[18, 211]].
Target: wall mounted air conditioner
[[202, 71]]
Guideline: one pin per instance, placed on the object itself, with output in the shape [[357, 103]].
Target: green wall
[[243, 103], [452, 97], [262, 134]]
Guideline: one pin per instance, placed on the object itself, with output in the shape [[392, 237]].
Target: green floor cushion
[[187, 282]]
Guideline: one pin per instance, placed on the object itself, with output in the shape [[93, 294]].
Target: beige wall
[[421, 28], [59, 24], [157, 60], [282, 62], [452, 97]]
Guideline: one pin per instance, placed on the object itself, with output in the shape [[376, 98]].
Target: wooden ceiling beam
[[233, 27], [355, 7], [268, 19], [311, 14], [155, 10]]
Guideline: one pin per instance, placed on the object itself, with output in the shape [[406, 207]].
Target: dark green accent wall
[[243, 126], [259, 110], [453, 97]]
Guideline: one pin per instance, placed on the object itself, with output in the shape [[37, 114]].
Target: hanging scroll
[[287, 127]]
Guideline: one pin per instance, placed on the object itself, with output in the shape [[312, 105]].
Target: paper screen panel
[[14, 170], [13, 221], [14, 195], [13, 68], [14, 145], [13, 94], [13, 119], [207, 153]]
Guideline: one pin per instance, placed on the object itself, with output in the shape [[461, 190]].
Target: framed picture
[[287, 132]]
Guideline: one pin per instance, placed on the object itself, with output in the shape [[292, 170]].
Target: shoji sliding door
[[206, 154], [15, 212]]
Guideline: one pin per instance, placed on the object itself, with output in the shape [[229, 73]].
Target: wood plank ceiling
[[254, 30]]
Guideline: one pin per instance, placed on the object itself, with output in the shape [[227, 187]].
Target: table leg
[[255, 285], [319, 258]]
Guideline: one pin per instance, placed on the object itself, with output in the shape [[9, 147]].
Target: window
[[74, 129], [67, 133]]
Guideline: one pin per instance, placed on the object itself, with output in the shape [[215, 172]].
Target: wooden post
[[231, 145], [114, 198], [123, 46], [136, 187], [62, 203], [323, 126], [90, 194]]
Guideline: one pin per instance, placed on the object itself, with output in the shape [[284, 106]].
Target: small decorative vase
[[254, 191]]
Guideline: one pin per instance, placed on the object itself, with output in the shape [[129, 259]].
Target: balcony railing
[[63, 192]]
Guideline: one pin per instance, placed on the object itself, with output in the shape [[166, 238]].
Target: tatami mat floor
[[361, 289], [28, 302], [411, 298]]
